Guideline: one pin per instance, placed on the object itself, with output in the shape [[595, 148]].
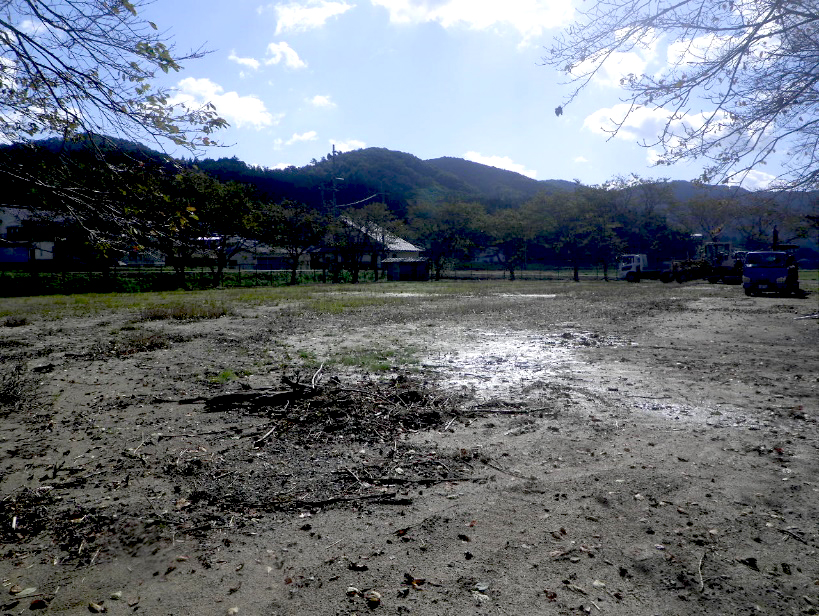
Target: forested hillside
[[108, 195]]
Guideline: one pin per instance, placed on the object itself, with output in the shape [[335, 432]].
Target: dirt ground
[[541, 448]]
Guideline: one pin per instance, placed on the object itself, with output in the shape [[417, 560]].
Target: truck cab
[[770, 271], [630, 267], [637, 267]]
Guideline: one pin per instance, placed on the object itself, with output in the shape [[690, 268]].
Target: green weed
[[225, 376], [185, 311], [376, 360]]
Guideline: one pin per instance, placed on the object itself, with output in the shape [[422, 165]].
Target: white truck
[[636, 267]]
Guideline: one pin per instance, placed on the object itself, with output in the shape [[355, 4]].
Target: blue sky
[[433, 78]]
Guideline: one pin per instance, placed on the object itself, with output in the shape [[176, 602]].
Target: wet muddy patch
[[498, 365]]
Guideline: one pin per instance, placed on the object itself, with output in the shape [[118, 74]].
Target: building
[[21, 241]]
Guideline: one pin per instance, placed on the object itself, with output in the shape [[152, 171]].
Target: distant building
[[406, 268], [22, 242]]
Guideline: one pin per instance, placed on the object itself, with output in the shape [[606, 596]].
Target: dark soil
[[548, 449]]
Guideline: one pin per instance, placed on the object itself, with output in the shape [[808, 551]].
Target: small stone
[[233, 610], [373, 598], [116, 596], [352, 591], [96, 608]]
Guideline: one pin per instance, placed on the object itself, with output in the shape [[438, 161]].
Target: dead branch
[[389, 498]]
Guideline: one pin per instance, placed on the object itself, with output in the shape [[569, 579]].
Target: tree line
[[143, 202]]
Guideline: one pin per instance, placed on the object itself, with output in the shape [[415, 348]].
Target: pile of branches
[[368, 412]]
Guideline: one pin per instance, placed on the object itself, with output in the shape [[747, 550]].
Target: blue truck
[[770, 271]]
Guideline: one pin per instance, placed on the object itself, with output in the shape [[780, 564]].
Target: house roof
[[391, 242]]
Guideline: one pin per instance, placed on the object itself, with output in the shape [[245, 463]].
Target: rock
[[373, 598], [352, 591], [96, 608], [116, 596]]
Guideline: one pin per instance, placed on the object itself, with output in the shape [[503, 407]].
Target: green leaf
[[129, 7]]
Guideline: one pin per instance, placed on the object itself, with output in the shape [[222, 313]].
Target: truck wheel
[[632, 277], [713, 279], [748, 292]]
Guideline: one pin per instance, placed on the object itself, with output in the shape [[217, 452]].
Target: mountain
[[396, 178], [498, 185]]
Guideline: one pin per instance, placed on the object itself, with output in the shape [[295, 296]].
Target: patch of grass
[[308, 358], [225, 376], [14, 321], [338, 304], [19, 390], [184, 311], [376, 360], [139, 341]]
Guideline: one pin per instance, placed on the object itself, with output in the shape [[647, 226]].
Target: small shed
[[406, 268]]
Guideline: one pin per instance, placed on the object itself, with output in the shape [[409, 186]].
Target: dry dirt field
[[473, 448]]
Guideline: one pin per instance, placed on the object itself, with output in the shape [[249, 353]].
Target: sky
[[433, 78]]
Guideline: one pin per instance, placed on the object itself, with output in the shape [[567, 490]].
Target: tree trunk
[[294, 266], [221, 262], [374, 258], [179, 274]]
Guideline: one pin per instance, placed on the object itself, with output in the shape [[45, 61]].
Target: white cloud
[[296, 17], [641, 124], [347, 146], [249, 62], [281, 166], [581, 159], [755, 180], [501, 162], [529, 17], [31, 27], [283, 51], [239, 111], [648, 124], [702, 48], [298, 137], [619, 65], [321, 101]]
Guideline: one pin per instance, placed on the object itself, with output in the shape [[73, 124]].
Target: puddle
[[500, 365]]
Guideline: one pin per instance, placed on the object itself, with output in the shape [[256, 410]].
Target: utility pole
[[333, 171]]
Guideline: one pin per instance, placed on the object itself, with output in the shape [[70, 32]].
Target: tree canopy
[[86, 66], [741, 80]]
